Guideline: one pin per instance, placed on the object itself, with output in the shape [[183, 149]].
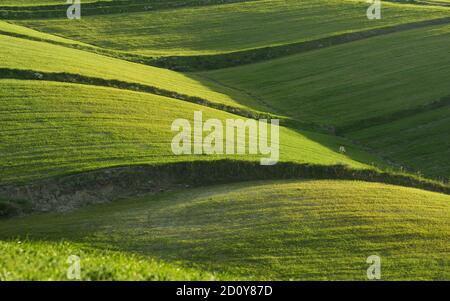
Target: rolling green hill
[[307, 230], [404, 70], [422, 141], [64, 128], [7, 28], [362, 84], [24, 54], [232, 27], [86, 108], [48, 261]]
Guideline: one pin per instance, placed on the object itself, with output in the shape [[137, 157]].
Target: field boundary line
[[72, 191], [64, 77], [198, 63]]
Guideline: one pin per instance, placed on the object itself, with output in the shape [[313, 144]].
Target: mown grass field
[[362, 84], [13, 29], [421, 141], [80, 98], [231, 27], [25, 54], [64, 128], [307, 230], [347, 83], [47, 261]]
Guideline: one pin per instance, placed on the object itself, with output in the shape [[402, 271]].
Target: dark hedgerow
[[77, 190], [81, 79]]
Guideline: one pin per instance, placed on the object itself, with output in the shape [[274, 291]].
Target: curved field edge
[[14, 30], [220, 61], [25, 54], [65, 77], [264, 51], [229, 28], [195, 63], [276, 230], [51, 129], [104, 185], [48, 261], [341, 86], [291, 83]]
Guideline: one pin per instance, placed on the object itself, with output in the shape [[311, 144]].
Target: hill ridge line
[[198, 63], [117, 182], [341, 131], [64, 77], [257, 55]]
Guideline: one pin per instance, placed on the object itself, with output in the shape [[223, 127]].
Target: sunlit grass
[[306, 230], [46, 260], [53, 128], [232, 27], [374, 78]]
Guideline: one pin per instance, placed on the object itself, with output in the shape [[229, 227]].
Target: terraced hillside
[[86, 113]]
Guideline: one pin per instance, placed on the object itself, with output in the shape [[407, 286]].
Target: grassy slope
[[53, 128], [268, 230], [40, 56], [421, 141], [48, 261], [346, 83], [21, 30], [218, 29], [372, 78], [278, 230]]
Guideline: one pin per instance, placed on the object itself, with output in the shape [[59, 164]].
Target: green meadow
[[230, 27], [321, 85], [23, 54], [47, 261], [64, 128], [294, 230], [86, 114], [424, 136], [362, 84]]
